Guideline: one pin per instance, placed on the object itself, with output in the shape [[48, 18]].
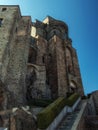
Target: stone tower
[[52, 63], [14, 45]]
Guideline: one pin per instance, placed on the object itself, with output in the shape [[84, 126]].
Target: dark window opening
[[43, 59], [73, 90], [69, 68], [50, 55], [16, 30], [4, 9], [47, 81], [1, 19]]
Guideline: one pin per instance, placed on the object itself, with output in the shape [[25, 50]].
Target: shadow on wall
[[3, 97]]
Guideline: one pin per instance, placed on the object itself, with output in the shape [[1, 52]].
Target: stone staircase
[[69, 119]]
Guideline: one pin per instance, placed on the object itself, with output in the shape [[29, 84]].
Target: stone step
[[68, 120]]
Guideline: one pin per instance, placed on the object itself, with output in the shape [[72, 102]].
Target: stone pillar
[[57, 67], [51, 68], [61, 67]]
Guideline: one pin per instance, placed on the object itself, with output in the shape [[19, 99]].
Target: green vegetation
[[72, 99], [46, 116]]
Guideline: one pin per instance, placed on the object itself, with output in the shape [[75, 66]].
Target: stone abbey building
[[37, 61]]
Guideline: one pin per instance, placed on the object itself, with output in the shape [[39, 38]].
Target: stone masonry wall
[[16, 70], [36, 81], [77, 72], [9, 16], [61, 67], [95, 98], [51, 68], [55, 51], [41, 50]]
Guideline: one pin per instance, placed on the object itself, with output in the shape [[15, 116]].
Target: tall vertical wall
[[15, 39], [51, 66], [61, 67], [77, 72], [61, 62], [51, 52], [6, 37]]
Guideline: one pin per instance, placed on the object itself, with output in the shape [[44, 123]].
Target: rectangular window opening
[[1, 19], [4, 9]]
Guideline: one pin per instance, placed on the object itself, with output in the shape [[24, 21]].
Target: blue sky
[[82, 19]]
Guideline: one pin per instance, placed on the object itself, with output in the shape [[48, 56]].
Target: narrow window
[[43, 59], [1, 19], [4, 9], [16, 29]]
